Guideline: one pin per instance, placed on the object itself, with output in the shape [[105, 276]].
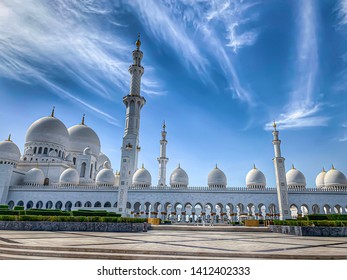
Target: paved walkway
[[168, 244]]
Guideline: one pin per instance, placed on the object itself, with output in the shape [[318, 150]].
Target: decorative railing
[[93, 187]]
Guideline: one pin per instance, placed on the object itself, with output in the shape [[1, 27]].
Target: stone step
[[20, 254], [219, 228]]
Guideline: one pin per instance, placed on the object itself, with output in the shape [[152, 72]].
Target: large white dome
[[34, 176], [81, 137], [334, 178], [49, 130], [255, 179], [320, 179], [216, 178], [179, 178], [9, 151], [69, 176], [295, 179], [142, 178], [105, 177]]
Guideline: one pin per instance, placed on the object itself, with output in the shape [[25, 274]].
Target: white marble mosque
[[64, 168]]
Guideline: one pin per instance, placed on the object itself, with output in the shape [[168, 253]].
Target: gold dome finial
[[52, 114], [323, 170], [138, 42], [216, 166], [293, 166], [9, 138], [164, 125], [332, 167], [179, 165], [83, 119], [143, 166], [254, 167], [274, 125]]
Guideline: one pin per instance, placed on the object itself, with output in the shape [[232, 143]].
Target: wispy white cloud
[[43, 41], [344, 139], [303, 109], [193, 30]]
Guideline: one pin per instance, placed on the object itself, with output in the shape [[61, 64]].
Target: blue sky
[[218, 72]]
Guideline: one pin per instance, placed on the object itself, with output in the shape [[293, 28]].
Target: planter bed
[[310, 230], [72, 226]]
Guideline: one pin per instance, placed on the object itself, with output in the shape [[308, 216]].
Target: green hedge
[[319, 223], [330, 217], [71, 219], [95, 213], [8, 212], [18, 208], [47, 212], [4, 207]]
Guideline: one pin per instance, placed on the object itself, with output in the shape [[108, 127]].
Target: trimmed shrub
[[47, 212], [18, 208], [71, 219], [8, 212], [330, 217], [8, 218], [4, 207]]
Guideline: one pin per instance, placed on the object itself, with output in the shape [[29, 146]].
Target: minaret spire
[[281, 181], [162, 159], [130, 147]]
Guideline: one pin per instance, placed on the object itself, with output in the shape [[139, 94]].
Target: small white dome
[[295, 178], [52, 153], [142, 178], [320, 179], [82, 136], [34, 176], [87, 151], [101, 159], [50, 130], [9, 151], [69, 176], [179, 178], [105, 177], [255, 179], [334, 178], [216, 178], [29, 151], [106, 165]]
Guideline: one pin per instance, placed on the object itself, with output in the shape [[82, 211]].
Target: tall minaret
[[281, 181], [162, 159], [130, 148]]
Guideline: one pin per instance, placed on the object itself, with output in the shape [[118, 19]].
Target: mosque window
[[83, 169], [91, 171], [45, 151], [58, 205], [49, 205], [78, 204], [25, 158], [40, 150], [0, 162], [74, 161], [46, 182], [35, 150], [59, 154]]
